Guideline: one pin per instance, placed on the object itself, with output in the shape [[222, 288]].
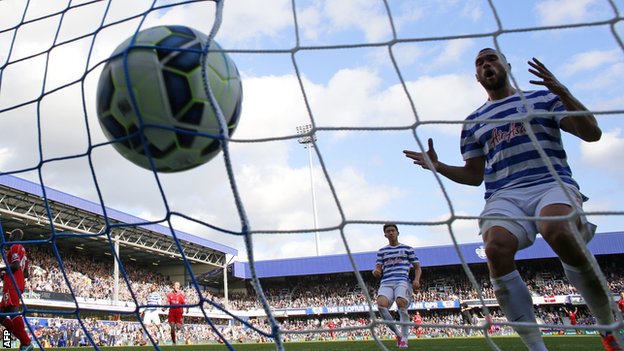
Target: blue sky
[[354, 87]]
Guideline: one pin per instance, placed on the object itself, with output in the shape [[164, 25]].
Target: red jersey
[[417, 319], [572, 317], [17, 253], [175, 298], [620, 304]]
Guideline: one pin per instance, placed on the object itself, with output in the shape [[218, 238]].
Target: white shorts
[[151, 317], [392, 291], [529, 202]]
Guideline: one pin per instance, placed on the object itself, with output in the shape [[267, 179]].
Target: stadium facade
[[434, 256]]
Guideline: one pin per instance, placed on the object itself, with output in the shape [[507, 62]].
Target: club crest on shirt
[[521, 109]]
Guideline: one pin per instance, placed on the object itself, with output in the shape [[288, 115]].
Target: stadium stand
[[304, 293]]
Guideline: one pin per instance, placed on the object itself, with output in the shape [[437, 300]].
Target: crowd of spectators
[[62, 332], [92, 279]]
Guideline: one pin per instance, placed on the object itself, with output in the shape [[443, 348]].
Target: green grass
[[554, 343]]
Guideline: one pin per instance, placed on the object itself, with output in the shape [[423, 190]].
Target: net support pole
[[116, 274], [313, 190], [307, 137], [225, 284]]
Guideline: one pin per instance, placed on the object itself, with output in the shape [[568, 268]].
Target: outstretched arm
[[583, 126], [417, 274], [471, 173]]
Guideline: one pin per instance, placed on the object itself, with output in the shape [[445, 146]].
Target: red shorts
[[9, 297], [175, 317]]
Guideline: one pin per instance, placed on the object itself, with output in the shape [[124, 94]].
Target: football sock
[[589, 286], [387, 316], [19, 331], [173, 336], [404, 318], [515, 301]]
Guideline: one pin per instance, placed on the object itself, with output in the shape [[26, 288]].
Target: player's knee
[[401, 302], [382, 301], [499, 242], [553, 231], [498, 251]]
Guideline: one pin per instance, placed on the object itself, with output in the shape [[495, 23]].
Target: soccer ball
[[178, 125]]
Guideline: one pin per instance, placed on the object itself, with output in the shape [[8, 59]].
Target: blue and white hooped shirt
[[396, 262], [511, 160]]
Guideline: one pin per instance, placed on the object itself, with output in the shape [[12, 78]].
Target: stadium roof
[[602, 244], [22, 200]]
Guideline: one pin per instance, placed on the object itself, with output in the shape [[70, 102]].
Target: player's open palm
[[548, 79], [420, 158]]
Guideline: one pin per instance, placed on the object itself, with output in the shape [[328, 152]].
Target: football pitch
[[554, 343]]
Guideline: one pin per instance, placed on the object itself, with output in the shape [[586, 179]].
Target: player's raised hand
[[419, 157], [548, 79]]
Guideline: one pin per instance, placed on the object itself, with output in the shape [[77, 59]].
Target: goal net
[[333, 92]]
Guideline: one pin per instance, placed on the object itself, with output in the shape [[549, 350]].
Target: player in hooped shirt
[[17, 263], [502, 144], [393, 265], [175, 318]]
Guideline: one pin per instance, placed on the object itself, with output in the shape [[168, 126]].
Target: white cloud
[[408, 15], [272, 106], [349, 14], [322, 19], [600, 155], [446, 98], [453, 51], [405, 54], [309, 19], [472, 11], [359, 198], [609, 78], [554, 12], [343, 103], [245, 21], [591, 60]]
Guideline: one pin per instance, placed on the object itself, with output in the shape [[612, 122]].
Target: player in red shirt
[[175, 318], [332, 325], [572, 315], [17, 262], [418, 320]]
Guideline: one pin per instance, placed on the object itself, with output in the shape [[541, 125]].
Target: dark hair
[[496, 51], [388, 225]]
